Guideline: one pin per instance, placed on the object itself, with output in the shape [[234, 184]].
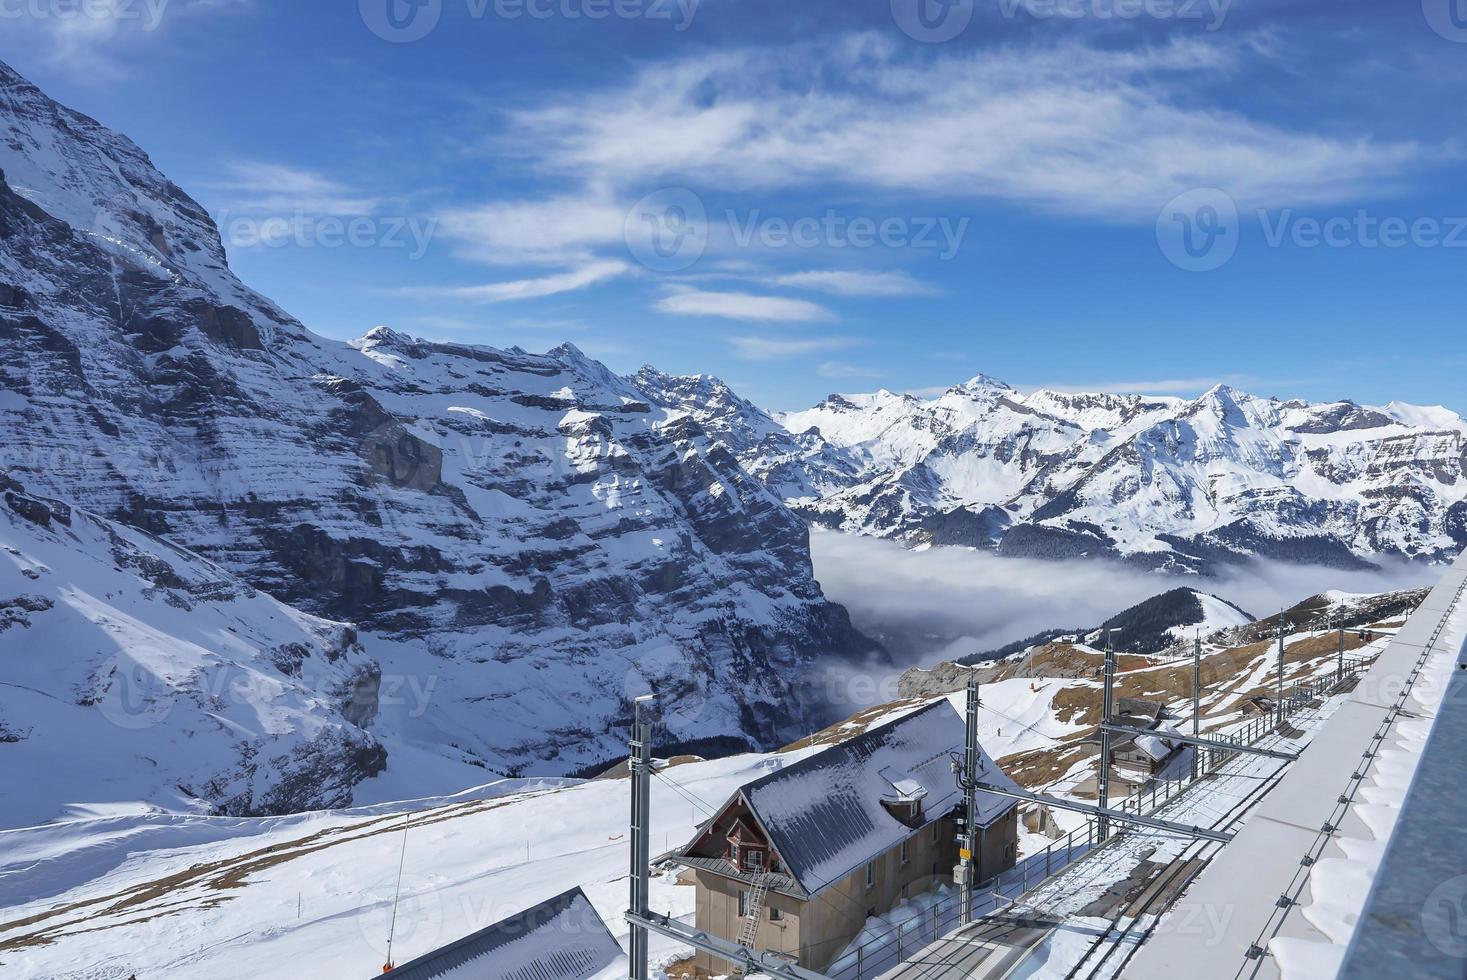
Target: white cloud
[[500, 292], [1168, 386], [550, 231], [841, 369], [952, 602], [742, 306], [1068, 127], [261, 187], [767, 349], [85, 36], [856, 283]]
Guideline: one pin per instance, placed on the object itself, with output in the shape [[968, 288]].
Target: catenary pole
[[969, 856], [1107, 710], [640, 764], [1196, 695], [1279, 709]]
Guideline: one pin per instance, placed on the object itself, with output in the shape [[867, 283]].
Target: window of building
[[755, 861], [906, 852], [745, 904], [733, 854], [871, 875], [775, 915], [937, 832]]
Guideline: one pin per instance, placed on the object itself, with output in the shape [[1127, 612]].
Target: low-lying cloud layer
[[943, 603]]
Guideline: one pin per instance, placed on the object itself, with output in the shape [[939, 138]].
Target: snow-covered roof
[[824, 815], [561, 939], [1155, 742]]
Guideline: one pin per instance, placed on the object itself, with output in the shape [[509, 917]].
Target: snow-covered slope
[[1160, 481], [525, 533], [135, 673]]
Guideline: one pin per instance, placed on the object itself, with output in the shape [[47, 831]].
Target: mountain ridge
[[1161, 482]]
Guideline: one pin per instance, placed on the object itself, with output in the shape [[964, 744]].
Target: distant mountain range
[[1158, 482]]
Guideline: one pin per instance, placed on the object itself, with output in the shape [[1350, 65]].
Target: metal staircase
[[757, 899]]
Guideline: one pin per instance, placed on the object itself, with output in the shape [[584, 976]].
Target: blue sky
[[807, 196]]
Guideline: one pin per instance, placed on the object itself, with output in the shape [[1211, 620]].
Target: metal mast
[[1279, 711], [640, 763], [968, 780], [1196, 695], [1107, 710]]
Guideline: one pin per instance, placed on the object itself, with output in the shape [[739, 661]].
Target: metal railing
[[924, 927], [921, 929]]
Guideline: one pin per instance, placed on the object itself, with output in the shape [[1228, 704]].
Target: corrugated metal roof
[[561, 939], [824, 814]]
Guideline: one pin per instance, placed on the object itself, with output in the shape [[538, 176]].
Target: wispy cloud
[[87, 36], [767, 349], [263, 187], [841, 369], [856, 283], [555, 230], [742, 306], [518, 289], [1166, 386], [1067, 127]]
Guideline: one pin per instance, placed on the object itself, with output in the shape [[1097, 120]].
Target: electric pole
[[1103, 787], [640, 764], [1196, 696], [1282, 630], [968, 781]]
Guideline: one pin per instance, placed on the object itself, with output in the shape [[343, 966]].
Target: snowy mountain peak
[[1162, 482]]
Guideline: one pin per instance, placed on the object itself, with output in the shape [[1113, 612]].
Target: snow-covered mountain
[[1162, 482], [524, 535], [136, 671]]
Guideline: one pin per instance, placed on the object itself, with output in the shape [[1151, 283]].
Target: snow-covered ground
[[190, 896]]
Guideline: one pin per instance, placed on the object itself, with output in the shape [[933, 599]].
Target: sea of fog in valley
[[938, 604]]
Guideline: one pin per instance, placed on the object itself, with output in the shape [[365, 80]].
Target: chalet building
[[797, 861], [1148, 750], [559, 939]]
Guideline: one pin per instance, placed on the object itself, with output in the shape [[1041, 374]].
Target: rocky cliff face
[[135, 672], [525, 536], [1160, 482]]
